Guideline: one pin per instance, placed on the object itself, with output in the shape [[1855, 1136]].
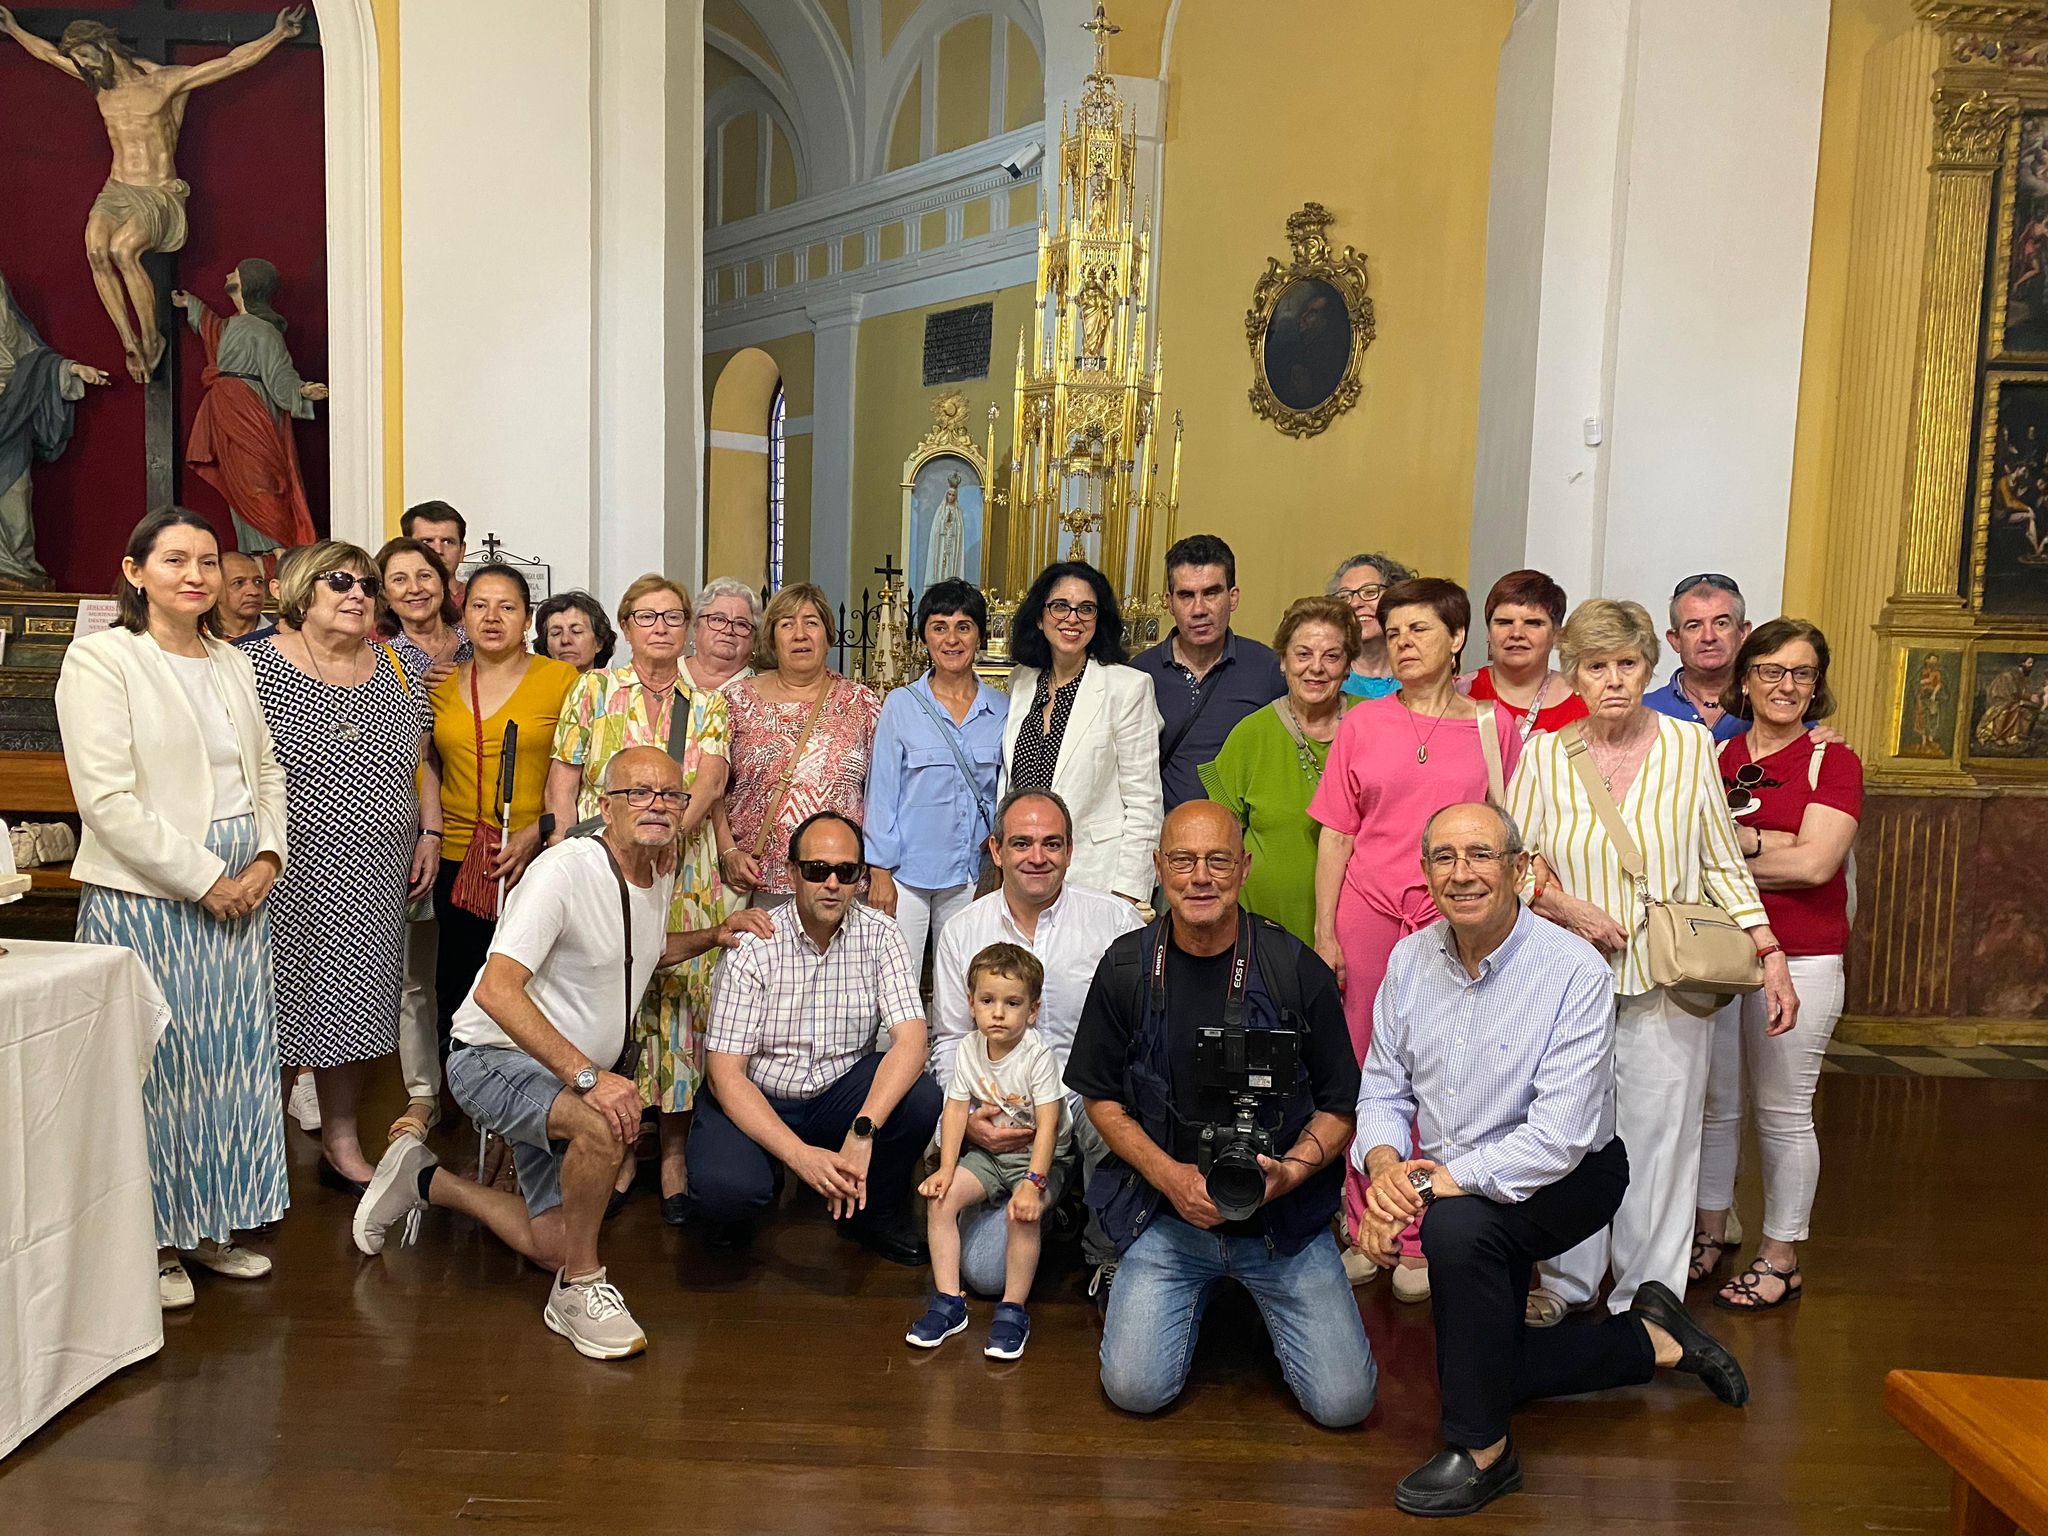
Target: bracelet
[[1038, 1179], [430, 831], [1769, 950]]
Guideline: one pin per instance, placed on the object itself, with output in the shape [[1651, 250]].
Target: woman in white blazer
[[183, 807], [1084, 725]]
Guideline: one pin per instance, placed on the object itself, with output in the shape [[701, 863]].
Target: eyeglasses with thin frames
[[1773, 673], [726, 624], [640, 797], [1478, 860], [1369, 593], [1221, 865], [667, 618]]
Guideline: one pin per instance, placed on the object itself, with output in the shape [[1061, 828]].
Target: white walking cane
[[508, 765]]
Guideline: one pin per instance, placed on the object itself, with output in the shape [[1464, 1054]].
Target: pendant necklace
[[344, 729], [1421, 741], [1303, 752]]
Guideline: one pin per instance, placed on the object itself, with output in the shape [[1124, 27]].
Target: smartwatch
[[547, 828], [863, 1128], [585, 1080], [1419, 1181]]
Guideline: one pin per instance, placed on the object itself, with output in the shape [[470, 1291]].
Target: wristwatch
[[1419, 1181], [863, 1127], [585, 1080]]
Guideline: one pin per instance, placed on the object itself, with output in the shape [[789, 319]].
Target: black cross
[[153, 28], [888, 570]]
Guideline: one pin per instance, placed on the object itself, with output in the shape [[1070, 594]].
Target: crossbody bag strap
[[1579, 752], [631, 1047], [1167, 749], [951, 737], [1813, 765], [781, 795], [1489, 748]]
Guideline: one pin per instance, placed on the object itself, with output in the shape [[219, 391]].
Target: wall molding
[[739, 442]]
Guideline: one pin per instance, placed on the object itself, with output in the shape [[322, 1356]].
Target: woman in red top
[[1795, 801], [1523, 612]]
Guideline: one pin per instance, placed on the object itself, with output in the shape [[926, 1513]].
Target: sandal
[[1702, 1266], [418, 1119], [1546, 1309], [1741, 1293]]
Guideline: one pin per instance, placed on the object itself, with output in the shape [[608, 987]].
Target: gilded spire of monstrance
[[1103, 28]]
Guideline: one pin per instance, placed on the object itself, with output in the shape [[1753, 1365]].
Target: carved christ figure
[[142, 207]]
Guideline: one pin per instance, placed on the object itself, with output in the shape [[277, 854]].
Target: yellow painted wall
[[728, 17], [1024, 90], [906, 129], [1397, 146], [894, 410], [963, 105], [720, 70], [781, 168], [741, 479], [739, 155]]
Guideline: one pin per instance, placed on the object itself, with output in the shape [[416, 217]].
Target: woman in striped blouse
[[1662, 774]]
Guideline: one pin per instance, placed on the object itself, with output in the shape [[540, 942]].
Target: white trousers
[[419, 1014], [1782, 1073], [1661, 1054], [922, 913]]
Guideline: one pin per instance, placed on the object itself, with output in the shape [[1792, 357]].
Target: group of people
[[387, 823]]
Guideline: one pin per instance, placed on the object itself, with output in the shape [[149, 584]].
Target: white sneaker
[[173, 1285], [592, 1315], [1359, 1269], [1411, 1282], [393, 1196], [305, 1104], [230, 1259]]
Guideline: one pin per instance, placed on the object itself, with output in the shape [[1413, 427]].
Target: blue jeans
[[985, 1229], [1164, 1283]]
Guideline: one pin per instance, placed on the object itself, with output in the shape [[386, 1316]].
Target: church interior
[[873, 295]]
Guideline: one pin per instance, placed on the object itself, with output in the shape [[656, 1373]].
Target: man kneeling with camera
[[1213, 1058]]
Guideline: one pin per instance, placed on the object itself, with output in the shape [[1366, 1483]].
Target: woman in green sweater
[[1270, 765]]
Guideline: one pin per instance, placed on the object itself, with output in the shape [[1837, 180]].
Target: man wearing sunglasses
[[1709, 622], [798, 1070], [540, 1051]]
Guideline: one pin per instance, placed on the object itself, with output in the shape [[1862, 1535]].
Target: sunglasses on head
[[1712, 579], [1741, 794], [818, 871], [341, 583]]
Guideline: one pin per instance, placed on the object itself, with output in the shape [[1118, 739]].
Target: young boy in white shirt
[[1005, 1064]]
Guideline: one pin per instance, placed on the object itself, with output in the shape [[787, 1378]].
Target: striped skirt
[[213, 1106]]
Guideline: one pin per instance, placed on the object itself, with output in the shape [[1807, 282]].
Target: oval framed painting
[[1309, 325]]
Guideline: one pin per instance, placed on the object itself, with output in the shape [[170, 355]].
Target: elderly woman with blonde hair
[[1658, 777]]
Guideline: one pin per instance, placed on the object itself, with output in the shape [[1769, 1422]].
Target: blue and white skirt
[[213, 1104]]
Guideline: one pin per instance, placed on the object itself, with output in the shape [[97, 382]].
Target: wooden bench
[[36, 783], [1993, 1433]]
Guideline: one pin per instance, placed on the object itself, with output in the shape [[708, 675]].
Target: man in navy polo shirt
[[1205, 678], [1708, 625]]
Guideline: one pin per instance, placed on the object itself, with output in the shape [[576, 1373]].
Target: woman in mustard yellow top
[[503, 684]]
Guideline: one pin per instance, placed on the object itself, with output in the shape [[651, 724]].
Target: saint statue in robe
[[38, 390], [241, 442], [946, 555]]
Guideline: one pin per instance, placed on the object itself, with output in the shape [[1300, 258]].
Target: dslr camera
[[1243, 1080]]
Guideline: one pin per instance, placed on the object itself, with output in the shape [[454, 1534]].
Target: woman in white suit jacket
[[183, 807], [1084, 725]]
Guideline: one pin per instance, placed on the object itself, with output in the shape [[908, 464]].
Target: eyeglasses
[[640, 797], [1741, 800], [667, 618], [1712, 579], [1059, 608], [1773, 673], [725, 624], [1221, 865], [1369, 593], [341, 583], [818, 871], [1478, 860]]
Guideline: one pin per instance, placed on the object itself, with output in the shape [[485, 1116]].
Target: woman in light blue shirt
[[932, 779]]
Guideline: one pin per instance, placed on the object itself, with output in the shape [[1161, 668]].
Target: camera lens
[[1237, 1185]]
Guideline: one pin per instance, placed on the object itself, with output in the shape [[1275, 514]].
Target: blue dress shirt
[[1671, 700], [923, 822], [1507, 1077]]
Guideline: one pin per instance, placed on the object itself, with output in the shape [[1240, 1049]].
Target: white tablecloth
[[78, 1299]]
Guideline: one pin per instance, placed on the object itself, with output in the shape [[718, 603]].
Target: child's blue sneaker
[[1006, 1335], [946, 1317]]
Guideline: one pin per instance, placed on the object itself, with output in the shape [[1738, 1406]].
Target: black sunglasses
[[1712, 579], [341, 583], [1741, 799], [818, 871]]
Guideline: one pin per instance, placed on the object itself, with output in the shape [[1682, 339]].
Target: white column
[[837, 327], [682, 370]]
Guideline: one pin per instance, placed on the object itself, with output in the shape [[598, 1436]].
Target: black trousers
[[1487, 1359], [465, 942]]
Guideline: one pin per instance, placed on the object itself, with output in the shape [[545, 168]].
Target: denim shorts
[[507, 1091]]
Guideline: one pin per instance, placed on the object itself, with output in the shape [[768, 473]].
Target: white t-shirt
[[217, 728], [562, 923], [1026, 1078]]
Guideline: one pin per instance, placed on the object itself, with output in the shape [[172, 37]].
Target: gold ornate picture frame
[[945, 501], [1309, 325]]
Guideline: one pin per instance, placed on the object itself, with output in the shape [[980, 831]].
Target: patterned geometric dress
[[608, 711], [337, 914], [832, 775]]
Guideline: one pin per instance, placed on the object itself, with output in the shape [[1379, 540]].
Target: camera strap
[[1240, 977]]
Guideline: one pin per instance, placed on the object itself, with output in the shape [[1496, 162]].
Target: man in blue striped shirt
[[1493, 1038]]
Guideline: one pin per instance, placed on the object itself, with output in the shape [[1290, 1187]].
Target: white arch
[[355, 270], [742, 98], [918, 43], [820, 86]]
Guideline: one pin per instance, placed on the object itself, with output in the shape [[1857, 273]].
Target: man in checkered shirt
[[798, 1070]]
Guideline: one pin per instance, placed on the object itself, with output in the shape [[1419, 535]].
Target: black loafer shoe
[[675, 1209], [727, 1236], [891, 1238], [617, 1202], [1700, 1353], [1451, 1483], [335, 1179]]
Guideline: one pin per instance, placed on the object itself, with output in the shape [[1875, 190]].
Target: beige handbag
[[1693, 946]]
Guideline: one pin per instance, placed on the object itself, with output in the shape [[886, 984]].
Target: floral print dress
[[831, 776], [607, 711]]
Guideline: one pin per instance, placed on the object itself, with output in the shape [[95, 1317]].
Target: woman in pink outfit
[[1396, 762]]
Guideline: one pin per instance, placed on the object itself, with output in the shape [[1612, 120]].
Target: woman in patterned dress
[[794, 698], [183, 811], [607, 711], [349, 728]]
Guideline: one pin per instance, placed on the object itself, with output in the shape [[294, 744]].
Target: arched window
[[778, 422]]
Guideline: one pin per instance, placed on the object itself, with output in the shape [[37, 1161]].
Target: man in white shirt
[[540, 1042], [1068, 927]]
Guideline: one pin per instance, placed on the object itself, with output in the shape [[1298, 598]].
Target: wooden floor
[[410, 1393]]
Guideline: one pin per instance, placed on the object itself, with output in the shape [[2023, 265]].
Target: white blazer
[[1108, 774], [138, 766]]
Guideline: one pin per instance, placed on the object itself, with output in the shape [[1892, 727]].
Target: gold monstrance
[[1087, 417]]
